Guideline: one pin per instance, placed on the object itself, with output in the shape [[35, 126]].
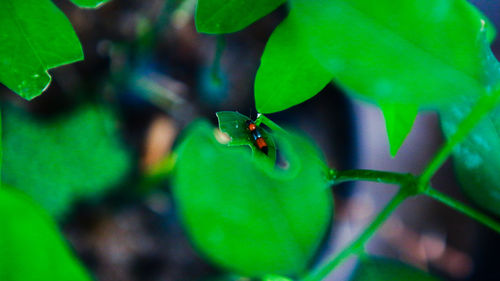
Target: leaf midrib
[[25, 36]]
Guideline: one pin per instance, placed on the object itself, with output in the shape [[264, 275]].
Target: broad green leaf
[[235, 125], [31, 247], [288, 74], [381, 269], [425, 52], [399, 120], [59, 161], [226, 16], [247, 215], [89, 3], [35, 37]]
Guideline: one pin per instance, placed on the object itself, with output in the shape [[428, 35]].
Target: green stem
[[483, 106], [463, 208], [357, 245], [261, 118], [338, 177]]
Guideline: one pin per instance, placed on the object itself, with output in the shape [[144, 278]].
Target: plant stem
[[357, 245], [261, 118], [483, 106], [463, 208], [338, 177]]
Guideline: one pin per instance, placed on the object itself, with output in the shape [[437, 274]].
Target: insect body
[[257, 137]]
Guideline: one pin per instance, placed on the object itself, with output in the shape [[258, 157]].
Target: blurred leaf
[[275, 278], [59, 161], [226, 16], [35, 37], [477, 158], [399, 120], [424, 53], [381, 269], [235, 125], [31, 247], [246, 215], [288, 74], [89, 3]]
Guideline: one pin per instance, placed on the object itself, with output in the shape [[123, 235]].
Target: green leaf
[[89, 3], [31, 247], [477, 158], [35, 37], [381, 269], [244, 213], [399, 120], [424, 53], [59, 161], [235, 125], [275, 278], [288, 74], [226, 16]]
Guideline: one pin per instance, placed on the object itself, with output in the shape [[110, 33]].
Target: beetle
[[259, 141]]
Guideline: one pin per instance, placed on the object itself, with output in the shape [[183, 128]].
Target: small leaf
[[246, 215], [288, 74], [381, 269], [235, 125], [226, 16], [36, 36], [424, 53], [399, 120], [59, 161], [89, 3], [31, 247]]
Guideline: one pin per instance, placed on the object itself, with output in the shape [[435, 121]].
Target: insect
[[257, 137]]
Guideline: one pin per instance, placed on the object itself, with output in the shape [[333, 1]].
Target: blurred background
[[147, 73]]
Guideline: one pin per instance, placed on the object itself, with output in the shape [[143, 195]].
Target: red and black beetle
[[257, 137]]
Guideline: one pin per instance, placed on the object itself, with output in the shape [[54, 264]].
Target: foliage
[[31, 247], [245, 214], [375, 53], [404, 57], [36, 36], [59, 161], [255, 214]]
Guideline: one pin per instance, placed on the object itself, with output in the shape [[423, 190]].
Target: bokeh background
[[99, 140]]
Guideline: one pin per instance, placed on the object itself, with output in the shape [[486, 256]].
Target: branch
[[463, 208], [357, 245]]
